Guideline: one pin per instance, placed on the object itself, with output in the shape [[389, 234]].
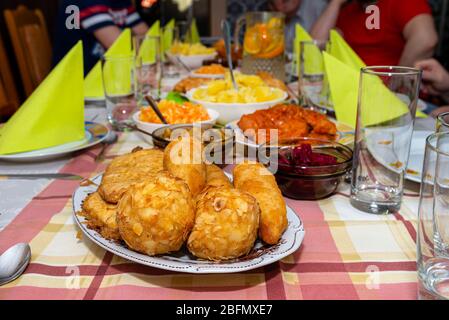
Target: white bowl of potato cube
[[231, 111]]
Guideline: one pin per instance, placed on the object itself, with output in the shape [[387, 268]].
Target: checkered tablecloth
[[346, 254]]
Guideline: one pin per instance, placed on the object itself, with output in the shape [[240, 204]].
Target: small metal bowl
[[219, 143]]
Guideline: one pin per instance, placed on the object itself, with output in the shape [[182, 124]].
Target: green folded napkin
[[300, 35], [53, 114], [343, 73], [381, 104], [155, 29], [341, 50], [93, 84], [167, 36], [147, 50], [194, 34]]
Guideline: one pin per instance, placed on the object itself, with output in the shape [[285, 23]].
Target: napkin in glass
[[194, 34], [147, 51], [343, 72], [300, 35], [93, 84], [54, 113]]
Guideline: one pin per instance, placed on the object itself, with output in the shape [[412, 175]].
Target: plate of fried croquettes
[[170, 210]]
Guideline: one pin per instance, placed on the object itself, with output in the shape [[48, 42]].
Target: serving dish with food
[[290, 121], [175, 112], [187, 216], [212, 71], [253, 94], [191, 55]]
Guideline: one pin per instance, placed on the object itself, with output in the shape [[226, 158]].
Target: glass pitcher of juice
[[264, 43]]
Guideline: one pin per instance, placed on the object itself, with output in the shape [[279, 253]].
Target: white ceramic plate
[[95, 134], [345, 135], [192, 62], [416, 159], [182, 261], [232, 111]]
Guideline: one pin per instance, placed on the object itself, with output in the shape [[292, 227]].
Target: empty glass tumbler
[[118, 81], [386, 113], [148, 74], [433, 228]]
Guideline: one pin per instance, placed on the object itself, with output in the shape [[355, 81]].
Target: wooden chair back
[[31, 44], [9, 98]]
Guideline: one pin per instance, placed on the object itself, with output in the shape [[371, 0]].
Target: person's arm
[[435, 78], [327, 20], [435, 113], [421, 40], [106, 36], [140, 29]]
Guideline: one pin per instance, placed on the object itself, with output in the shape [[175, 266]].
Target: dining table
[[346, 253]]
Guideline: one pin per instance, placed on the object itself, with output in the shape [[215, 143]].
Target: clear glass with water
[[118, 81], [386, 113], [433, 228]]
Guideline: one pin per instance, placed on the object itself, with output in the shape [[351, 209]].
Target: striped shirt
[[93, 15]]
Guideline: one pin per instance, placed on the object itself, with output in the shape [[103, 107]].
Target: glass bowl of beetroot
[[307, 168]]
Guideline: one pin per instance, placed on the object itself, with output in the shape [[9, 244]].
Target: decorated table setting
[[110, 185]]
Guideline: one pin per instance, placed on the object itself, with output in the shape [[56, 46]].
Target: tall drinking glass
[[386, 113], [313, 83], [433, 228], [118, 81], [148, 75]]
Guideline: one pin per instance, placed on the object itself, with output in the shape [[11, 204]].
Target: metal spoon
[[183, 64], [226, 30], [13, 262], [153, 105], [111, 138]]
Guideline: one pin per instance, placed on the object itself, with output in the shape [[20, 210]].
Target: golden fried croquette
[[183, 158], [225, 226], [255, 179], [128, 169], [215, 177], [156, 216], [101, 216]]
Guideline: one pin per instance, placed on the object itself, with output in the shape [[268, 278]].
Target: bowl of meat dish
[[285, 120], [308, 168]]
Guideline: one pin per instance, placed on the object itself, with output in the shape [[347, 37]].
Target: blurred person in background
[[101, 22], [435, 82], [303, 12], [406, 32]]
